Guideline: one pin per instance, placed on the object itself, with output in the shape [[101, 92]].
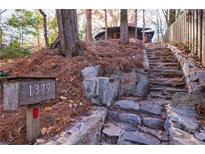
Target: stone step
[[169, 61], [174, 90], [156, 88], [139, 137], [152, 122], [170, 64], [121, 141], [169, 83], [161, 95], [151, 108], [130, 118], [176, 79], [127, 105], [156, 94], [124, 116], [171, 73], [134, 98], [160, 68], [155, 64], [110, 133], [104, 143], [154, 58], [158, 133]]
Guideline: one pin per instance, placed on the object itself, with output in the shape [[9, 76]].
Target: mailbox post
[[30, 92]]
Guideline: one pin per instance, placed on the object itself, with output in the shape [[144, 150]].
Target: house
[[114, 33]]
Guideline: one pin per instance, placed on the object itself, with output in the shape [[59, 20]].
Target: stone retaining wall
[[103, 90], [190, 70], [183, 123], [86, 130]]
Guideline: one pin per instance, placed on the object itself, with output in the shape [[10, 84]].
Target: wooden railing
[[189, 29]]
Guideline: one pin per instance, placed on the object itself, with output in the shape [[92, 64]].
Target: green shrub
[[10, 52]]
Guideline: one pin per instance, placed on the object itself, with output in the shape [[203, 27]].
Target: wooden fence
[[189, 28]]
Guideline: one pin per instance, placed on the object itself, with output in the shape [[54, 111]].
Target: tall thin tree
[[68, 32], [44, 26], [88, 34], [143, 30], [124, 35], [106, 35], [136, 25], [172, 16]]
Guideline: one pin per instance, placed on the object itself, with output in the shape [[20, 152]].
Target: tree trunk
[[106, 37], [45, 27], [68, 32], [38, 36], [143, 31], [158, 25], [166, 15], [136, 25], [88, 35], [124, 36], [172, 16], [1, 36]]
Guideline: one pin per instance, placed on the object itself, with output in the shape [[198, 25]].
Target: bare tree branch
[[3, 11]]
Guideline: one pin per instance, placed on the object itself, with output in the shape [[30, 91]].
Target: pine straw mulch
[[70, 101]]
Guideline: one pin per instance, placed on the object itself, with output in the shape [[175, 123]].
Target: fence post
[[196, 33], [193, 31], [190, 29], [203, 38]]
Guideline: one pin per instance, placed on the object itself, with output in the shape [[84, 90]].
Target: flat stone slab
[[127, 105], [188, 111], [158, 133], [151, 108], [153, 122], [85, 130], [130, 118], [90, 71], [159, 101], [127, 126], [112, 115], [140, 138], [180, 137], [200, 135], [121, 141], [112, 130], [188, 123]]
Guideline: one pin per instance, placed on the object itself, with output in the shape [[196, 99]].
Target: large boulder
[[200, 135], [90, 71], [180, 137], [101, 90], [91, 90], [202, 80], [134, 83], [128, 83], [188, 99], [142, 86], [187, 123]]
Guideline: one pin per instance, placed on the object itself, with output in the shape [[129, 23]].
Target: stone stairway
[[138, 121], [134, 120], [166, 76]]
